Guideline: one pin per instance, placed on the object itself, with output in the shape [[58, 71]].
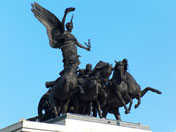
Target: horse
[[93, 88], [118, 84], [61, 91], [134, 91]]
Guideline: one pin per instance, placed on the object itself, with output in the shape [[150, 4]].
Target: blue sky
[[143, 31]]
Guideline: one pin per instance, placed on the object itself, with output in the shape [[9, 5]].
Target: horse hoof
[[158, 92], [82, 93], [127, 112], [135, 106], [101, 116]]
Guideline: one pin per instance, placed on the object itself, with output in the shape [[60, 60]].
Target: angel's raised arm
[[65, 14], [63, 19]]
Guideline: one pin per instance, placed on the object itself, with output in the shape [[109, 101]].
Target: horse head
[[107, 70], [102, 70], [120, 70]]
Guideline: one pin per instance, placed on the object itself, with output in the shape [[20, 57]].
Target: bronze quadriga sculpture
[[84, 91]]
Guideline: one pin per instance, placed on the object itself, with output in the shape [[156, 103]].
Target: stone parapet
[[76, 123]]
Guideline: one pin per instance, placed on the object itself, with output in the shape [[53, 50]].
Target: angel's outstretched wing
[[54, 26]]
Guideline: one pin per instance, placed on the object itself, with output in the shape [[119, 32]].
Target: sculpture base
[[76, 123]]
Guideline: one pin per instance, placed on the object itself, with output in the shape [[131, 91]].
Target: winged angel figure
[[58, 37]]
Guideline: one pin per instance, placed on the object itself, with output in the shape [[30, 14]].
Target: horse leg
[[138, 97], [75, 104], [117, 114], [88, 109], [94, 110], [131, 102], [105, 111], [143, 92], [80, 89], [65, 106], [102, 97], [81, 109], [122, 101], [98, 86], [99, 108], [53, 105]]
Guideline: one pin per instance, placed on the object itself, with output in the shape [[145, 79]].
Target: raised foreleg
[[138, 97], [131, 102], [122, 101]]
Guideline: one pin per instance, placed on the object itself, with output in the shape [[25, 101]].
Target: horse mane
[[125, 62], [98, 66]]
